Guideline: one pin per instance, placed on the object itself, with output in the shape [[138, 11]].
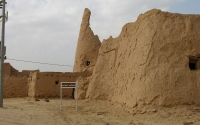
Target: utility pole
[[2, 5]]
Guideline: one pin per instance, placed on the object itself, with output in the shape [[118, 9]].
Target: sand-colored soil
[[23, 111]]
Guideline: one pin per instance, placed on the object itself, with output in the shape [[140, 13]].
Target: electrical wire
[[38, 62]]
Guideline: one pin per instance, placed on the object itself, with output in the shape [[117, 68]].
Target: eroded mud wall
[[87, 46], [148, 63], [9, 70]]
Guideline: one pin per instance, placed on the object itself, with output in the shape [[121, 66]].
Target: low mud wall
[[15, 86], [47, 84], [39, 84]]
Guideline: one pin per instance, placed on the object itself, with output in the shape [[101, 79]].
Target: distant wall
[[26, 72], [15, 86], [44, 84], [34, 83], [10, 71], [7, 69]]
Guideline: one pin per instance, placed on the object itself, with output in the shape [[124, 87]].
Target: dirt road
[[24, 111]]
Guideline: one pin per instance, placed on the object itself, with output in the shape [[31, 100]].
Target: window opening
[[87, 63], [56, 82], [193, 64]]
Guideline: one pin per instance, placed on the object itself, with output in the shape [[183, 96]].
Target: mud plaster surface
[[148, 63]]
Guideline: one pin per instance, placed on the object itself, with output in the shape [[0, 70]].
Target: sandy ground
[[24, 111]]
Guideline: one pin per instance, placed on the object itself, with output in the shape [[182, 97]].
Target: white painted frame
[[76, 87]]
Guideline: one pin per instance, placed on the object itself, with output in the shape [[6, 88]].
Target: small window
[[193, 64], [87, 63], [56, 82]]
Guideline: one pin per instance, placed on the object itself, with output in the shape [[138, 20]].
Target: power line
[[38, 62]]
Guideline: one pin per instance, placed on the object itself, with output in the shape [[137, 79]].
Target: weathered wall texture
[[83, 83], [10, 71], [44, 84], [15, 86], [87, 47], [26, 72], [33, 83], [148, 63]]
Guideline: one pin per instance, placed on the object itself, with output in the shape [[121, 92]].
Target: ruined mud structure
[[36, 84], [153, 62], [87, 47]]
